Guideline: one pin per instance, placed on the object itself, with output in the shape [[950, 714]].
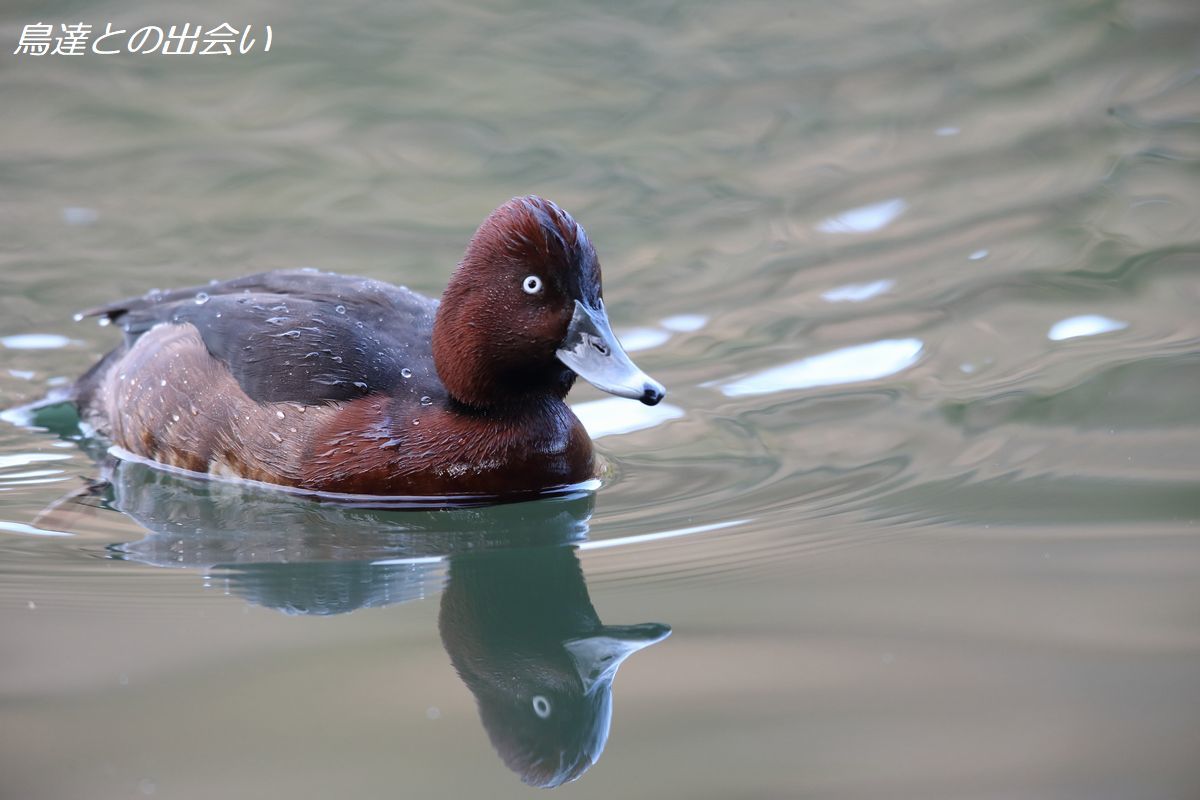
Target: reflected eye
[[532, 284], [541, 706]]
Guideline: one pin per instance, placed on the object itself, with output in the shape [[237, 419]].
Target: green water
[[922, 511]]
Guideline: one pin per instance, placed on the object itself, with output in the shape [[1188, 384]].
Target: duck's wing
[[299, 335]]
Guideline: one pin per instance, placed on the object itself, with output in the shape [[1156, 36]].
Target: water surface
[[922, 511]]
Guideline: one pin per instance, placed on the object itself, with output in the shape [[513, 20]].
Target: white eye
[[541, 706], [532, 284]]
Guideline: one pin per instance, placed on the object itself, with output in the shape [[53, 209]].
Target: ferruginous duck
[[339, 384]]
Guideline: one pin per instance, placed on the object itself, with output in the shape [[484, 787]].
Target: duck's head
[[523, 314]]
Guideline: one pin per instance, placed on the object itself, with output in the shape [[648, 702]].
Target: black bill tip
[[652, 393]]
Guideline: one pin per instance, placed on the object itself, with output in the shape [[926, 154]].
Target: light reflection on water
[[34, 341], [857, 292], [921, 505], [866, 218], [611, 416], [864, 362], [1086, 325]]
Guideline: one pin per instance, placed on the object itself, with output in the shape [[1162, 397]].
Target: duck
[[338, 384]]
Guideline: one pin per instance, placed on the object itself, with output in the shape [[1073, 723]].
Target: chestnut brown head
[[523, 314]]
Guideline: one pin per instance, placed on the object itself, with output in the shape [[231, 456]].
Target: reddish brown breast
[[387, 446]]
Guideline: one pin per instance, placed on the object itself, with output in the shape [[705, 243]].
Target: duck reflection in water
[[522, 633], [516, 618]]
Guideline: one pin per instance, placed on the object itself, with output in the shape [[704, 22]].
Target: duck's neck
[[485, 370]]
